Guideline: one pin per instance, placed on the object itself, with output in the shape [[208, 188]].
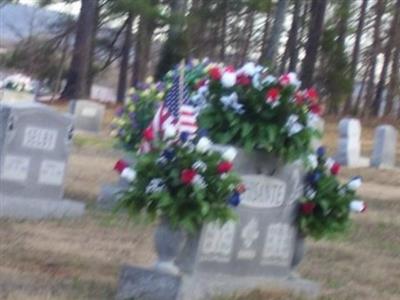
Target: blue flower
[[184, 136], [314, 177], [234, 200], [321, 151], [202, 133], [169, 154]]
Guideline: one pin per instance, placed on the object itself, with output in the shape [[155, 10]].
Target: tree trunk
[[144, 38], [174, 48], [277, 27], [317, 12], [124, 64], [394, 82], [265, 38], [356, 52], [291, 50], [224, 9], [78, 73], [374, 51], [247, 34], [388, 54]]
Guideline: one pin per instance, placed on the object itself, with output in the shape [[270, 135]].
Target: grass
[[80, 259]]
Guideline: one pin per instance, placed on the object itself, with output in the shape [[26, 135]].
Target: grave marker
[[384, 152], [88, 116], [349, 146], [34, 149]]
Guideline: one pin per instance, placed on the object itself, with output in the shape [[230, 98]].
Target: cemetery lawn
[[80, 259]]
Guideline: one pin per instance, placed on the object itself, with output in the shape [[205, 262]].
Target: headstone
[[34, 148], [320, 126], [349, 147], [262, 248], [88, 116], [384, 152]]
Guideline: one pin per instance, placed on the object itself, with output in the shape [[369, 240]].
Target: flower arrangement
[[183, 180], [326, 205], [134, 116], [252, 109]]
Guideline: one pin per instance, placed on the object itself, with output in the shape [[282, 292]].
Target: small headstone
[[320, 126], [349, 147], [34, 147], [138, 283], [88, 116], [384, 152]]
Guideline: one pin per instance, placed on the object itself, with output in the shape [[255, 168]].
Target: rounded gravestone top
[[350, 127]]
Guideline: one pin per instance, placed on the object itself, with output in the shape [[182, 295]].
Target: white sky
[[66, 8]]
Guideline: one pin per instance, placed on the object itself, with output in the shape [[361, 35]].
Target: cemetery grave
[[81, 259]]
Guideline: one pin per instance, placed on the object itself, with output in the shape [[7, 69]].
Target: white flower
[[294, 80], [292, 120], [156, 185], [203, 90], [312, 120], [170, 132], [310, 193], [228, 79], [203, 145], [256, 81], [249, 69], [128, 174], [200, 166], [358, 206], [149, 80], [354, 183], [295, 128], [230, 154], [329, 163], [269, 80], [312, 160], [199, 181]]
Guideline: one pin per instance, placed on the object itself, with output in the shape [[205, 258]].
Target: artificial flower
[[355, 183], [228, 79], [249, 69], [335, 169], [234, 200], [187, 176], [272, 95], [229, 154], [170, 132], [224, 167], [148, 134], [215, 73], [358, 206], [307, 208], [203, 145]]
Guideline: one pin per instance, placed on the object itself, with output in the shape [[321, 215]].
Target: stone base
[[109, 196], [143, 284], [207, 286], [36, 209], [360, 162]]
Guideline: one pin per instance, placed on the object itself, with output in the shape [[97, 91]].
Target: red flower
[[335, 169], [272, 95], [229, 69], [120, 166], [299, 97], [200, 83], [307, 208], [215, 73], [243, 80], [224, 167], [187, 176], [312, 94], [315, 109], [284, 80], [148, 134], [241, 188]]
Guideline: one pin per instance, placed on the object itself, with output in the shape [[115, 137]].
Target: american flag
[[175, 110]]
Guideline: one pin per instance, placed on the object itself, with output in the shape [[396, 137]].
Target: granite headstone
[[384, 151], [34, 149], [88, 116], [349, 146]]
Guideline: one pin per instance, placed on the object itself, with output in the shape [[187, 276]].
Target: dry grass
[[80, 259]]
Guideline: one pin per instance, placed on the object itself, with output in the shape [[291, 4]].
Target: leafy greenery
[[261, 126], [325, 208], [162, 188]]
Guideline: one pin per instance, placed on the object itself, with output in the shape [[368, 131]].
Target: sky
[[66, 8]]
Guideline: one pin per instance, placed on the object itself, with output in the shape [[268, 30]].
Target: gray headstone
[[320, 126], [384, 152], [349, 147], [88, 116], [141, 284], [34, 156]]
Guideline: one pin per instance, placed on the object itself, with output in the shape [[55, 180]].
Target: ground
[[80, 259]]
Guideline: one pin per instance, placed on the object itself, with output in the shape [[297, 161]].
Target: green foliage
[[186, 206], [136, 114], [262, 126], [330, 217]]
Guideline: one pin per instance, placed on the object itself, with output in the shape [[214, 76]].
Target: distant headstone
[[88, 116], [34, 147], [384, 152], [349, 147], [320, 126]]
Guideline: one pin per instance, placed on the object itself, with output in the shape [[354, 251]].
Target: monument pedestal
[[36, 209]]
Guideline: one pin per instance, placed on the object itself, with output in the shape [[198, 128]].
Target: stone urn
[[176, 249]]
